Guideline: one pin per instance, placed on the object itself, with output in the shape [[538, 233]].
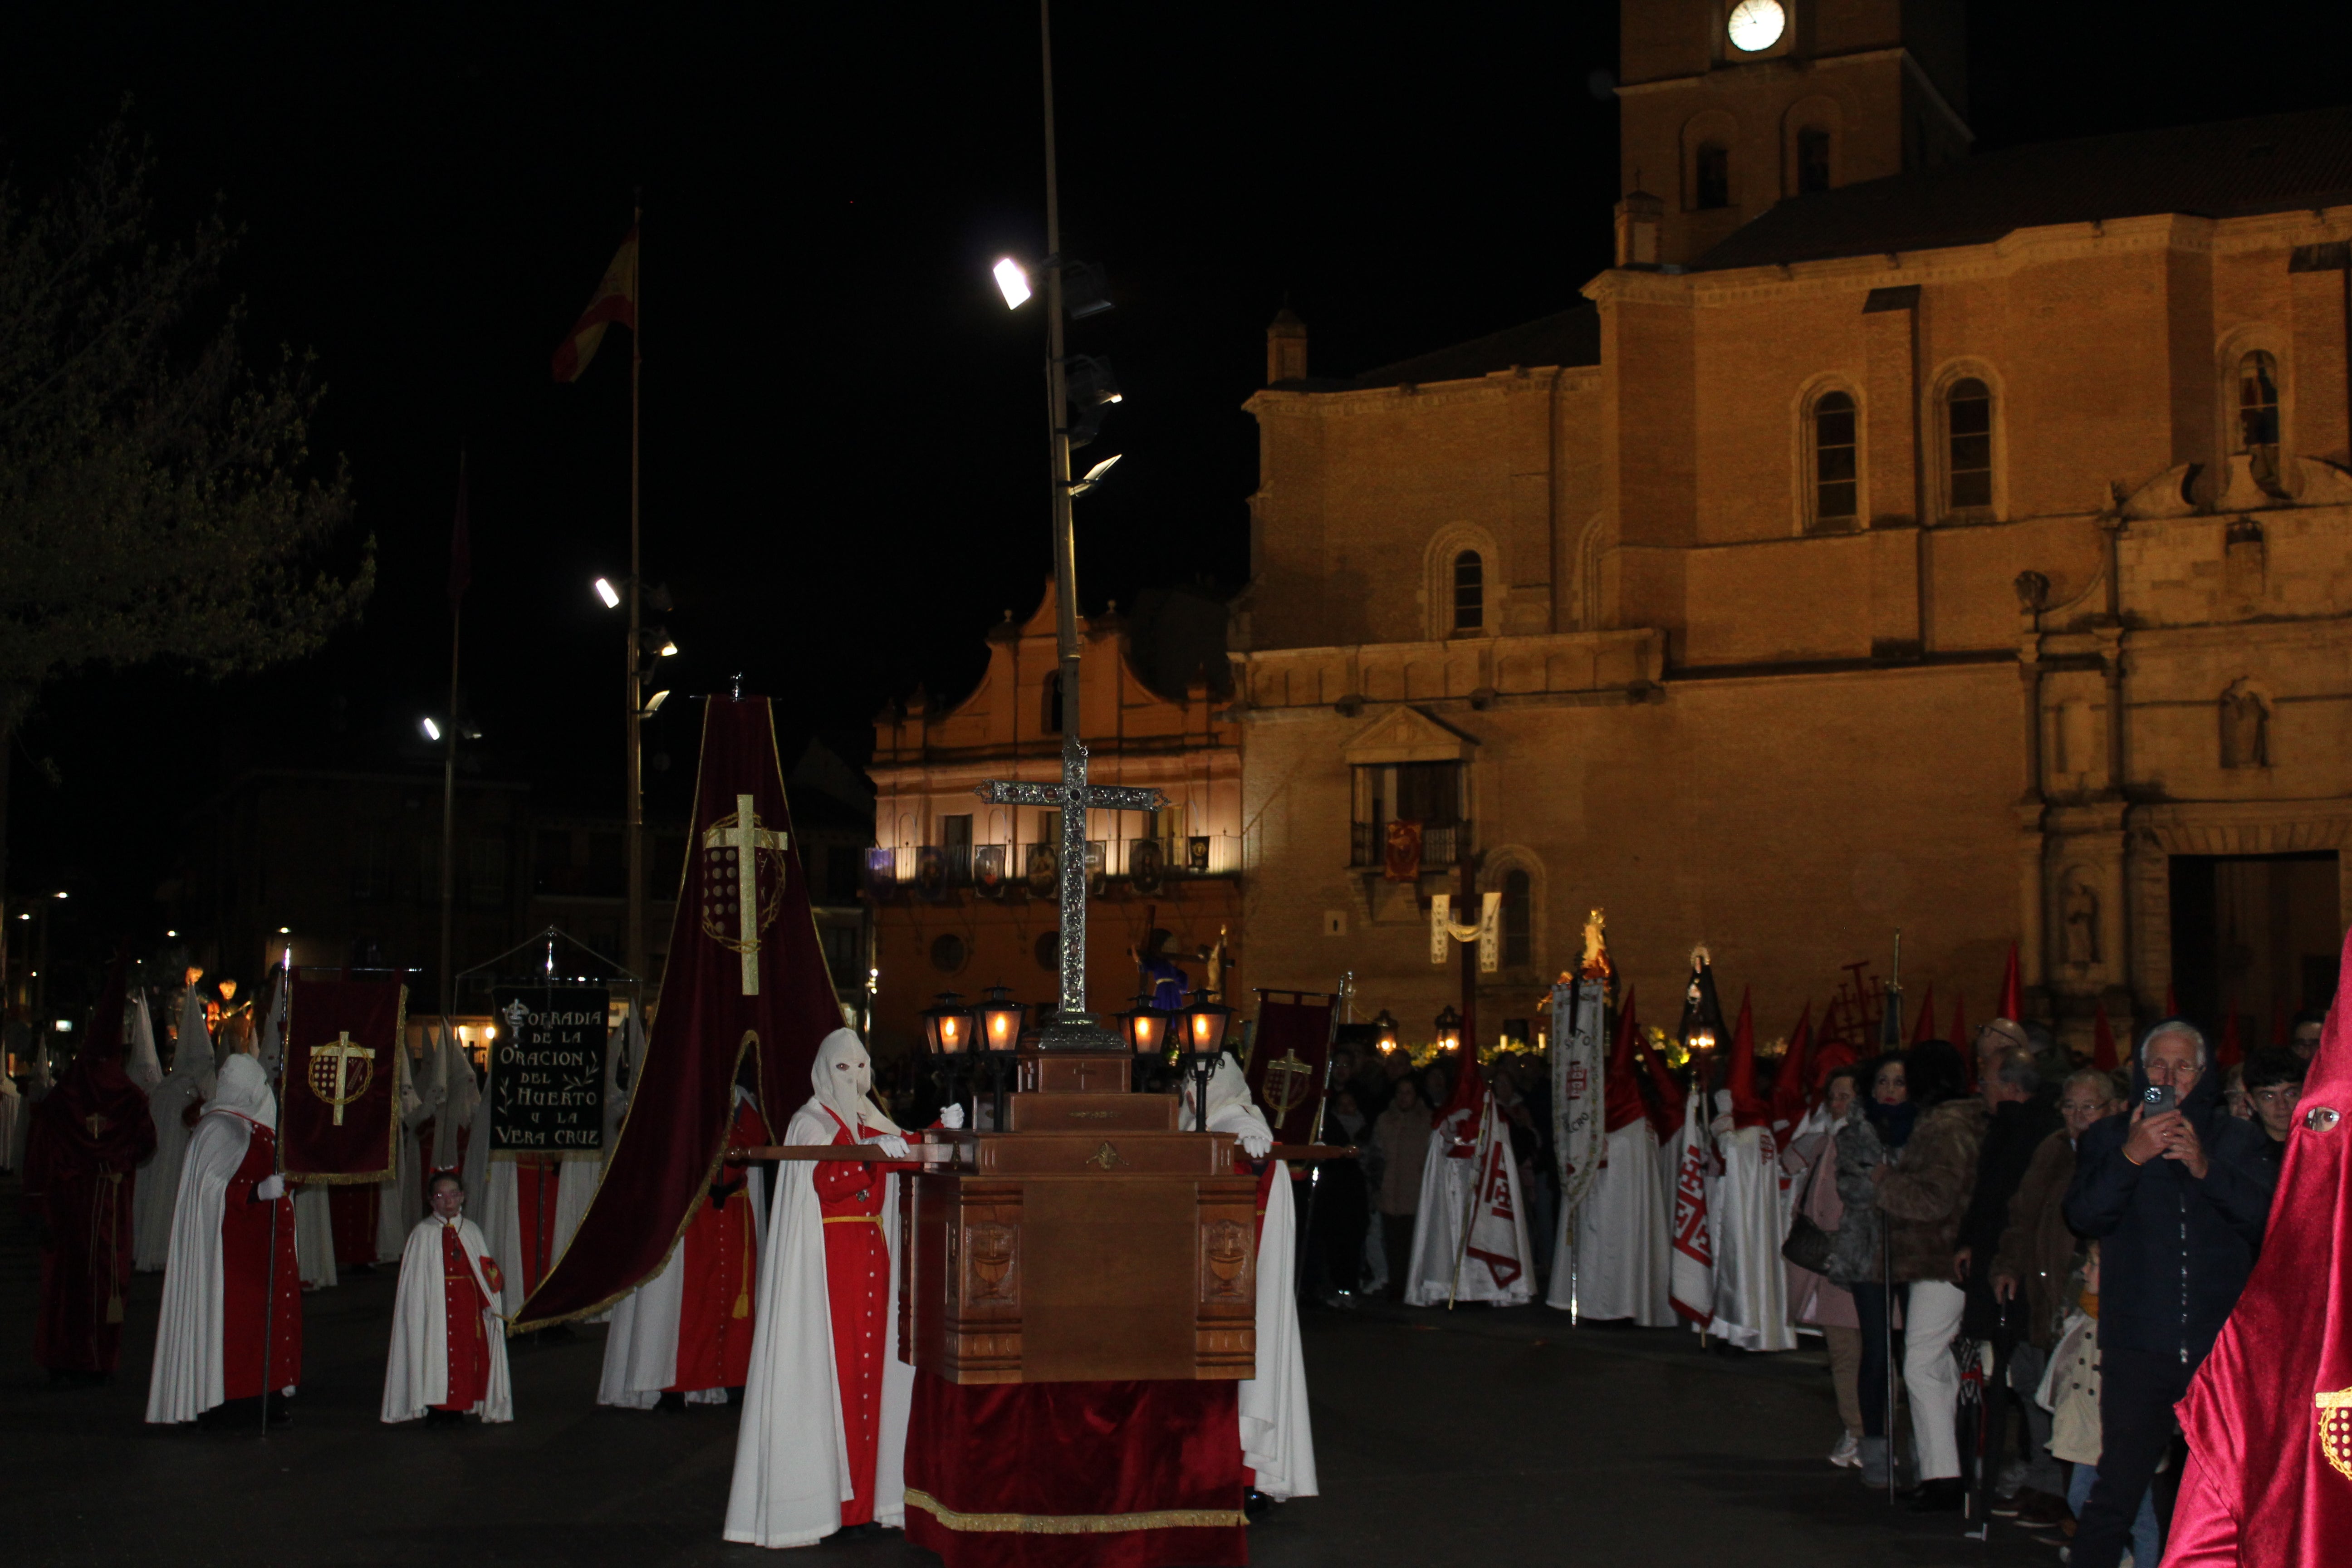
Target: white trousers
[[1931, 1316]]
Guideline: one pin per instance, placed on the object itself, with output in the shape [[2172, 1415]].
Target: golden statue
[[1596, 964]]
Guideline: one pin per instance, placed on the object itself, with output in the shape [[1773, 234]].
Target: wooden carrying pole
[[868, 1152]]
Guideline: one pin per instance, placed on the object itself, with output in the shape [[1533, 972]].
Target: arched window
[[1813, 160], [1968, 452], [1518, 921], [1711, 186], [1469, 592], [1835, 489], [1052, 719], [2258, 412]]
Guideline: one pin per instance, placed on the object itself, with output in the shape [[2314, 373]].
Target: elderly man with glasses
[[2177, 1195]]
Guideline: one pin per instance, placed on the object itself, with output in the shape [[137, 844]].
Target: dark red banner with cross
[[338, 1106], [1290, 1056]]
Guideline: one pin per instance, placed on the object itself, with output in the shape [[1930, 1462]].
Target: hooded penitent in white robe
[[190, 1083], [140, 1063], [188, 1379], [641, 1347], [1497, 1264], [1620, 1251], [1276, 1434], [791, 1452], [1748, 1221], [417, 1374]]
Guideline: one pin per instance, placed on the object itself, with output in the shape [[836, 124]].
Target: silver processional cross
[[1074, 796]]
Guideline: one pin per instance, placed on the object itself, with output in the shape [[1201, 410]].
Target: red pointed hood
[[1792, 1084], [2233, 1049], [1922, 1027], [1469, 1094], [1749, 1109], [2279, 1035], [1666, 1095], [1622, 1090], [2012, 994], [2103, 1041]]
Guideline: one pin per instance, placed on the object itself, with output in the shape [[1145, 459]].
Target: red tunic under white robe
[[231, 1292], [449, 1344], [858, 1295], [688, 1329]]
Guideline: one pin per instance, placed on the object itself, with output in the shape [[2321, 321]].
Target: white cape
[[314, 1235], [1691, 1267], [1498, 1226], [641, 1347], [1278, 1436], [1748, 1222], [188, 1379], [416, 1377], [1618, 1255], [792, 1454]]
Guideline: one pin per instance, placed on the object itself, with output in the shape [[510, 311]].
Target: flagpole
[[637, 830]]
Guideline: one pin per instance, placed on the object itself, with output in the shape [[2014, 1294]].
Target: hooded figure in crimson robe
[[684, 1337], [87, 1138], [2269, 1415], [232, 1295], [448, 1354], [822, 1442]]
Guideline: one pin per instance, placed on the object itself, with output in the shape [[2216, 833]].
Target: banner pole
[[277, 1160]]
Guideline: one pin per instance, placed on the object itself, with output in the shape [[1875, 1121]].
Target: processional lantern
[[948, 1026], [1146, 1026], [1001, 1018], [1201, 1043], [1449, 1028], [1384, 1031]]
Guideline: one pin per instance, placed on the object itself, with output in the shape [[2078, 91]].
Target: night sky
[[844, 452]]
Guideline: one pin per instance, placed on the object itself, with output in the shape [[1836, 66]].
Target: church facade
[[1894, 537]]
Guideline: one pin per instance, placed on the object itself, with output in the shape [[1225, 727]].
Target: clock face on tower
[[1755, 25]]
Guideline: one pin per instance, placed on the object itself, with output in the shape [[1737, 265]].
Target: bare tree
[[158, 497]]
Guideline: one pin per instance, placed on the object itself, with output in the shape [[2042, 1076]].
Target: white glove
[[951, 1117], [1255, 1143], [1721, 1125], [269, 1189], [893, 1146]]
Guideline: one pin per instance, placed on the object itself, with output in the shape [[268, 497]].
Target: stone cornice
[[1492, 387]]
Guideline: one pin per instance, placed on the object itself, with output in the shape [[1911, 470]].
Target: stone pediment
[[1407, 735]]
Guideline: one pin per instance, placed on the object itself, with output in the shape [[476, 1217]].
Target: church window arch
[[1711, 177], [1517, 873], [1463, 574], [1519, 920], [1708, 176], [1050, 717], [1813, 160], [1965, 414], [1834, 460], [1469, 605]]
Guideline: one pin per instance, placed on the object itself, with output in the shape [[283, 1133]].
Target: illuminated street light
[[610, 594], [1093, 475], [1012, 282], [653, 704], [668, 648], [432, 730]]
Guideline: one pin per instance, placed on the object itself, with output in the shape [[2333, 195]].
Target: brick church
[[1896, 536]]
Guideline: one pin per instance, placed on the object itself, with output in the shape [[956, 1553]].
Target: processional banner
[[1289, 1060], [547, 1071], [1578, 1085], [339, 1105]]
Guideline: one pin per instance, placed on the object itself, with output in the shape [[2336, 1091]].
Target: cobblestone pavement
[[1469, 1439]]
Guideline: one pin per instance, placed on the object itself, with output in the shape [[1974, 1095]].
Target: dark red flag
[[2103, 1041], [2234, 1049], [1749, 1109], [1791, 1084], [2269, 1415], [1621, 1104], [746, 981], [1290, 1058], [2012, 996], [337, 1104]]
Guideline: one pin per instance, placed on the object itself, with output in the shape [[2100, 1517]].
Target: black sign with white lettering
[[547, 1073]]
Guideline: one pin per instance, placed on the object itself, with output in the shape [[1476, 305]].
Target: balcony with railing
[[1443, 845], [1145, 863]]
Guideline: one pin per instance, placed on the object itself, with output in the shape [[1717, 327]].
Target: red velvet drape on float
[[746, 978], [2269, 1415], [81, 1167], [1075, 1475]]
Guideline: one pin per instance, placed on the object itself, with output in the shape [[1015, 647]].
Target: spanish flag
[[615, 302]]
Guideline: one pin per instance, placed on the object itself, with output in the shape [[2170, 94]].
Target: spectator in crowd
[[2069, 1393], [2274, 1086], [2177, 1193], [1812, 1161], [1340, 1209], [1864, 1144], [1996, 1040], [2022, 1112], [2234, 1095], [1402, 1135], [1923, 1195], [2033, 1265], [2303, 1035], [1436, 1085]]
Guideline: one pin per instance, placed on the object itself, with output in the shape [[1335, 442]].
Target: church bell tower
[[1730, 106]]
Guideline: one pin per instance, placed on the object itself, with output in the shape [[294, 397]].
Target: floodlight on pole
[[1093, 475], [668, 648], [432, 730], [1012, 282], [607, 592], [653, 704]]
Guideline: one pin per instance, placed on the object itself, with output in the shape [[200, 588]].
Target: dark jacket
[[2017, 1128], [1925, 1194], [1856, 1259], [2036, 1249], [2174, 1251]]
